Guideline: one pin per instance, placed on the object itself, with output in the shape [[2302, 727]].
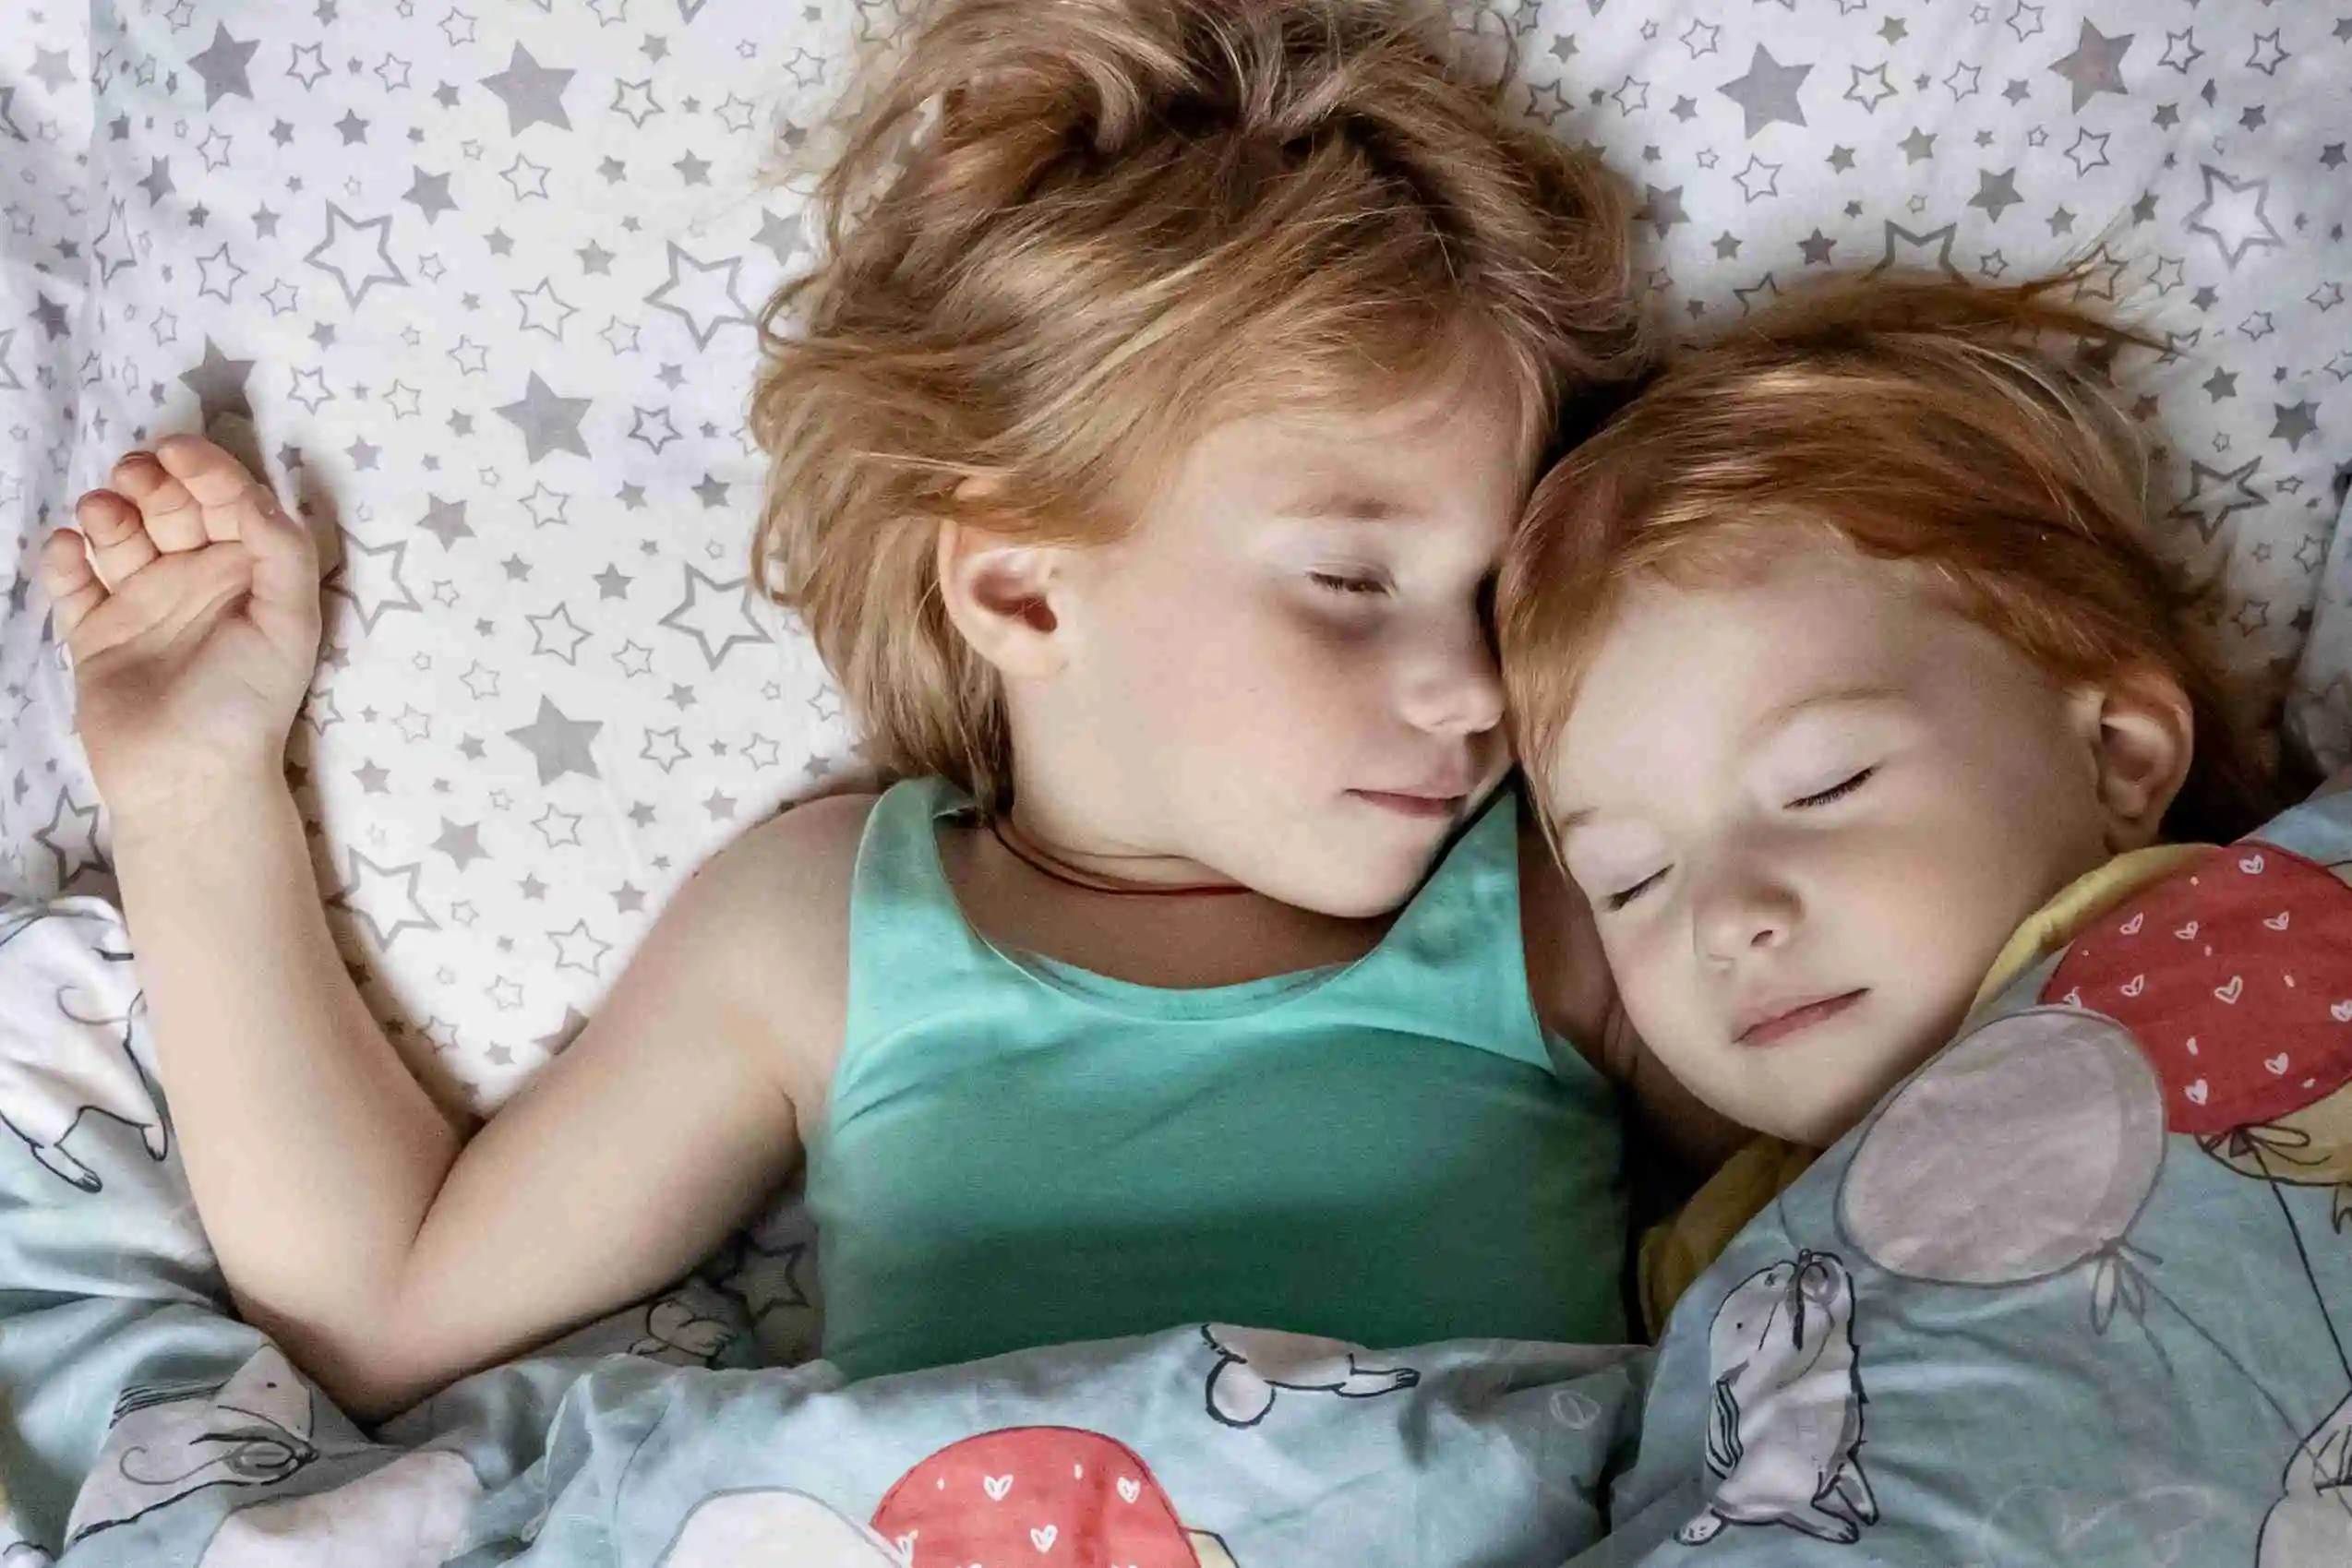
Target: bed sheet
[[474, 281]]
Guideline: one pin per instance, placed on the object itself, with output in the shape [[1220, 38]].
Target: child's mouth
[[1783, 1020], [1426, 806]]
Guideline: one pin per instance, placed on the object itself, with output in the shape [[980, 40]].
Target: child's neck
[[1177, 942]]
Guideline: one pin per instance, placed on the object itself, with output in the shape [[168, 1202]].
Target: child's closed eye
[[1616, 901], [1354, 583], [1838, 791]]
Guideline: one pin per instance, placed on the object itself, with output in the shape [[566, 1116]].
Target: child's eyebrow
[[1352, 506], [1843, 696], [1771, 720]]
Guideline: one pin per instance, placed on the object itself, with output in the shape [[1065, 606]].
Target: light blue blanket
[[2076, 1294], [147, 1428], [2079, 1293]]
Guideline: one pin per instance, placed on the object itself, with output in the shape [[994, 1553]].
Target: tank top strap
[[909, 942], [1454, 967]]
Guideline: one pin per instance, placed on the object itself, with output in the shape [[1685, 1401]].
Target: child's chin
[[1377, 881], [1822, 1125]]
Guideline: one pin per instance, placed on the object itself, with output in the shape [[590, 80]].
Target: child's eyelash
[[1339, 582], [1836, 791], [1617, 901]]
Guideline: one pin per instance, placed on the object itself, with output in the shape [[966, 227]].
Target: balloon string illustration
[[2303, 1256], [2295, 1428], [2119, 1274]]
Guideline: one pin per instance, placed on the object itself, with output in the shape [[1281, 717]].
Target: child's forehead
[[1807, 603], [1365, 459], [1695, 664]]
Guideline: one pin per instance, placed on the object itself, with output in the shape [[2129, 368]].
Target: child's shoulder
[[773, 908], [790, 877]]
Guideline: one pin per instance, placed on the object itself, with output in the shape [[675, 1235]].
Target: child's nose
[[1455, 689], [1741, 910]]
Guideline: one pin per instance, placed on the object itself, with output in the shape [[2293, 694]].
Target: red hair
[[1913, 419]]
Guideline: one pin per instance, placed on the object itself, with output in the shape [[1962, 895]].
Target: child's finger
[[120, 544], [285, 567], [222, 485], [171, 513], [66, 578]]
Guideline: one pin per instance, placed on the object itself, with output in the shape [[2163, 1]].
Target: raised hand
[[189, 599]]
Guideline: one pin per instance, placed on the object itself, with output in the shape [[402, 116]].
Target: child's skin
[[1280, 678], [1809, 809]]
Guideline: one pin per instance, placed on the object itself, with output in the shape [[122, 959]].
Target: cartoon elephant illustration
[[167, 1442], [70, 1011], [675, 1332], [1785, 1432], [1254, 1364], [2310, 1524], [409, 1513]]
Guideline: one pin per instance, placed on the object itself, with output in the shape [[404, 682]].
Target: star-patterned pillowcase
[[477, 278]]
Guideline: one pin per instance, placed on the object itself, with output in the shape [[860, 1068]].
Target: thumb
[[286, 566]]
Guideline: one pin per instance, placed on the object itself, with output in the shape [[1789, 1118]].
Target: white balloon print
[[2026, 1148]]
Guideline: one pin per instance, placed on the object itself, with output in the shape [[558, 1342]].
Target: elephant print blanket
[[2078, 1291], [142, 1425], [2075, 1293]]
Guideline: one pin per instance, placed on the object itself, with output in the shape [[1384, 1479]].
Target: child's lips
[[1773, 1021], [1406, 803]]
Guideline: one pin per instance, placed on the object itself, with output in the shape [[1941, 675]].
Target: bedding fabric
[[2073, 1294], [2076, 1292], [145, 1428], [475, 282]]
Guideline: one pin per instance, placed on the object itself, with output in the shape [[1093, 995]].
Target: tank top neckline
[[1137, 999]]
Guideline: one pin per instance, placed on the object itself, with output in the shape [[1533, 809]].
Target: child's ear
[[999, 592], [2143, 732]]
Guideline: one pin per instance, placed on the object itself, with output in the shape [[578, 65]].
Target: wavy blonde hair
[[1916, 419], [1067, 236]]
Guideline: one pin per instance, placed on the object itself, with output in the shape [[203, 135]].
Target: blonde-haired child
[[1142, 454], [1850, 684]]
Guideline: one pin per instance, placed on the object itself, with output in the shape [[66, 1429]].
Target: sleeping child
[[1849, 684], [1880, 741]]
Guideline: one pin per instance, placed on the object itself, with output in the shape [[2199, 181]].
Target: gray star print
[[1663, 209], [531, 92], [1768, 92], [344, 256], [559, 745], [2295, 422], [548, 423], [2096, 65], [219, 383], [222, 67], [1995, 193], [445, 521], [1897, 234], [430, 193]]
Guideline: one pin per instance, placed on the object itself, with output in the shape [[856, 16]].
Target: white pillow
[[480, 272]]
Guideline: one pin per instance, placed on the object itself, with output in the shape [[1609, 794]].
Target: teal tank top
[[1020, 1152]]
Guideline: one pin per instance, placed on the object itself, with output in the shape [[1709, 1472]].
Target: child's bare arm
[[353, 1226], [351, 1219]]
